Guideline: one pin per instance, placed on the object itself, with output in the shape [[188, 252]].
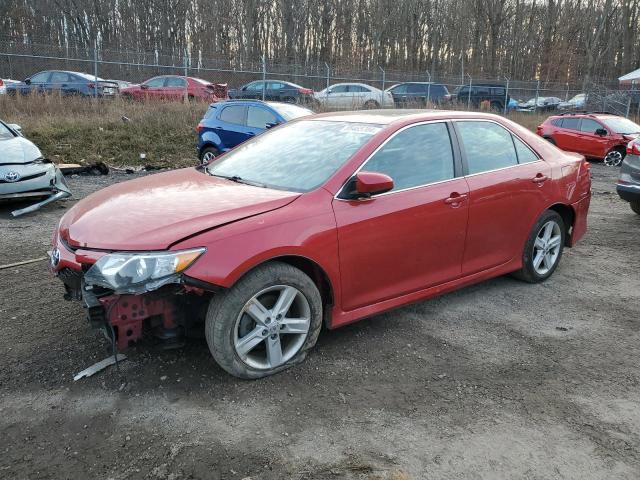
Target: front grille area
[[26, 177]]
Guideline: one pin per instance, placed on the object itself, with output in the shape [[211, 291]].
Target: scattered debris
[[98, 168], [101, 365], [562, 329], [24, 262]]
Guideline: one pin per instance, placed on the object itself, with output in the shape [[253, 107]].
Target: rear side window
[[210, 112], [589, 126], [571, 123], [358, 88], [417, 88], [557, 122], [155, 82], [487, 145], [259, 118], [416, 156], [525, 155], [233, 114]]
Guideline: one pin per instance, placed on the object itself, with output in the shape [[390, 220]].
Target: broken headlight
[[140, 272]]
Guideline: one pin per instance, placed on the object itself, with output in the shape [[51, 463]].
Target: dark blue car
[[229, 123], [65, 83]]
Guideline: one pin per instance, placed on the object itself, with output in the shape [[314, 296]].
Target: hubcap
[[272, 327], [613, 159], [546, 248], [207, 157]]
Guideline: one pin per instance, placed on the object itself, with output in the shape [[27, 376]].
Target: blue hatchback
[[229, 123]]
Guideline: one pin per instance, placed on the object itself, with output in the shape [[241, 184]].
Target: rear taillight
[[633, 147], [199, 128], [1, 82], [305, 91]]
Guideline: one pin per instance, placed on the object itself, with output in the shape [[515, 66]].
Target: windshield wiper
[[238, 179]]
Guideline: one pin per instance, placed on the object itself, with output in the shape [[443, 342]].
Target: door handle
[[539, 178], [455, 199]]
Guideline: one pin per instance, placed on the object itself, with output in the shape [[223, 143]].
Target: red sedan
[[327, 219], [174, 87]]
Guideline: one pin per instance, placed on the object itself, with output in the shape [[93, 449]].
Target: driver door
[[412, 237]]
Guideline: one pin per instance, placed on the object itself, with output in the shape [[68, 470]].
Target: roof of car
[[587, 114], [389, 116]]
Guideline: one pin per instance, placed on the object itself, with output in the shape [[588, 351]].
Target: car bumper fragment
[[56, 187], [629, 193]]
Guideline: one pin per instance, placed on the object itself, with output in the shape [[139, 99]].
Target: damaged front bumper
[[169, 313], [32, 180]]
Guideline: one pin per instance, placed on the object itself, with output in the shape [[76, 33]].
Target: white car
[[3, 84], [353, 96]]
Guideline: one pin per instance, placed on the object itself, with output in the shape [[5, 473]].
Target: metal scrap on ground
[[97, 367]]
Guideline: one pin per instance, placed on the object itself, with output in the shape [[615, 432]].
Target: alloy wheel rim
[[207, 157], [272, 327], [613, 159], [546, 248]]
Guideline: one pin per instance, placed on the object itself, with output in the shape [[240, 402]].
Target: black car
[[274, 90], [65, 83], [408, 93], [494, 94]]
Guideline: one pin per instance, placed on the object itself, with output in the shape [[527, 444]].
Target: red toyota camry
[[327, 219]]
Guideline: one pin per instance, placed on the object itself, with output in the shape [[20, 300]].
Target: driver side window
[[40, 77], [416, 156], [155, 82]]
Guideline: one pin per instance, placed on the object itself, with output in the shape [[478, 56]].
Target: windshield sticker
[[360, 128]]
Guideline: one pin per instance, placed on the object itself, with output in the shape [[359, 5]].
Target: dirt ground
[[501, 380]]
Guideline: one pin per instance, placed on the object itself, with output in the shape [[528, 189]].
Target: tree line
[[570, 41]]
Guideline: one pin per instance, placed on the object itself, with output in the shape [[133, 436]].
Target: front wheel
[[635, 206], [614, 158], [543, 249], [371, 104], [266, 322]]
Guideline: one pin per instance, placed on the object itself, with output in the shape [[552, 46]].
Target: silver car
[[25, 173], [628, 186]]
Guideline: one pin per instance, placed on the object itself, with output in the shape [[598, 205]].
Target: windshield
[[621, 125], [5, 133], [289, 112], [298, 156]]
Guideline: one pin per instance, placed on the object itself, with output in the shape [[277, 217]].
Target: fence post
[[535, 107], [383, 80], [469, 95], [566, 95], [506, 96], [326, 65], [264, 76], [186, 84], [428, 89], [95, 68]]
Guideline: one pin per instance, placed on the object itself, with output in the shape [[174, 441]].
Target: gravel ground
[[501, 380]]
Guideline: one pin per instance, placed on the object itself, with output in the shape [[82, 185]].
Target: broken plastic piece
[[97, 367]]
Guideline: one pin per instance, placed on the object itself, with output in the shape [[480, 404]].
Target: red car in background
[[173, 87], [599, 136], [326, 219]]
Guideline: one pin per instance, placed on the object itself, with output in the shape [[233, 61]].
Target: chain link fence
[[21, 60]]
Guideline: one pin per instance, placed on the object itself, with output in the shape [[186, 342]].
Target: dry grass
[[80, 130]]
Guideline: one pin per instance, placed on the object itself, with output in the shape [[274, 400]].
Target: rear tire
[[371, 104], [543, 249], [635, 206], [250, 336], [208, 154]]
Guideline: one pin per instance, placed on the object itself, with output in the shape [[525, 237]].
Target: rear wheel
[[208, 154], [635, 206], [614, 157], [371, 104], [543, 249], [266, 322]]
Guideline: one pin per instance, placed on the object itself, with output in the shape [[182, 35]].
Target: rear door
[[567, 136], [509, 186], [232, 129], [62, 82], [174, 88], [409, 238]]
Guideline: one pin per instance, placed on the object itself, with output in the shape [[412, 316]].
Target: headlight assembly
[[134, 272]]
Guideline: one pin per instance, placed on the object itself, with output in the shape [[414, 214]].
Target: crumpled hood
[[153, 212], [18, 150]]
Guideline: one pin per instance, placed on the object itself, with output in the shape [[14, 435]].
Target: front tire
[[635, 206], [371, 104], [265, 323], [614, 157], [543, 249]]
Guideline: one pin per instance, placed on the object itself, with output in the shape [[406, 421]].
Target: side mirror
[[27, 81], [271, 125], [328, 91], [16, 127], [601, 132], [372, 183]]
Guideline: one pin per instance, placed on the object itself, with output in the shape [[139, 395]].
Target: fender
[[211, 139]]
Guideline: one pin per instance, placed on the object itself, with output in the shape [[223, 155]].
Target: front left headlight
[[135, 273]]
